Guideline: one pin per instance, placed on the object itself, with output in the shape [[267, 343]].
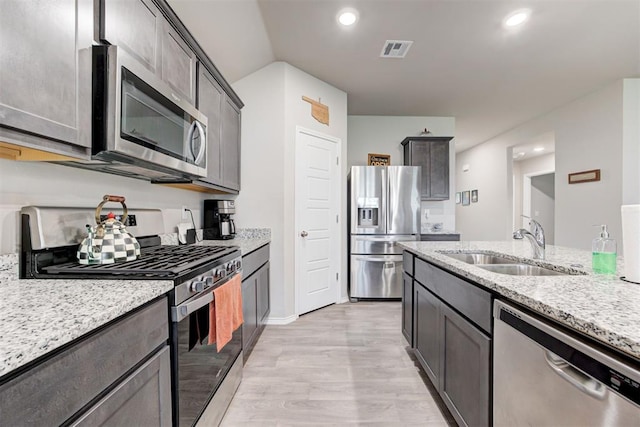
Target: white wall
[[45, 184], [631, 141], [543, 204], [273, 109], [530, 167], [383, 135], [588, 135]]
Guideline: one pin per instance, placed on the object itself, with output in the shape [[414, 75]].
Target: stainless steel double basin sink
[[503, 265]]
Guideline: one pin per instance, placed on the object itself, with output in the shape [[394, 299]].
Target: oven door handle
[[183, 310]]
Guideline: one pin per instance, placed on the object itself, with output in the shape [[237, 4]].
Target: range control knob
[[197, 286]]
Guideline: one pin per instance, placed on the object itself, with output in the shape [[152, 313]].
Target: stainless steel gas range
[[203, 379]]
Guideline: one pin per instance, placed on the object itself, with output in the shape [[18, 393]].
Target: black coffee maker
[[218, 224]]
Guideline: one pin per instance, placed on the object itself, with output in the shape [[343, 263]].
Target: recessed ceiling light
[[538, 149], [517, 18], [348, 16]]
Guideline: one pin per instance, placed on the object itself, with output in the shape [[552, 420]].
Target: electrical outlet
[[185, 213]]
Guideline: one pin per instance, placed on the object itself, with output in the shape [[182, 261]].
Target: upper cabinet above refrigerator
[[432, 153]]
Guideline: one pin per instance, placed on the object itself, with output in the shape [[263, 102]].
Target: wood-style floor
[[345, 364]]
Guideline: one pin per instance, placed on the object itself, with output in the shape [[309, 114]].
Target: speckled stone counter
[[247, 239], [39, 316], [600, 306]]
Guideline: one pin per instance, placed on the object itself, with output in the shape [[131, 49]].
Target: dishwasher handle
[[576, 378]]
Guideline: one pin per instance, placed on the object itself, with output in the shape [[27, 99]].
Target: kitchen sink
[[522, 270], [499, 264], [481, 258]]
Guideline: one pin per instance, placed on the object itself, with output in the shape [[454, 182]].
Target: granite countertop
[[39, 316], [600, 306], [247, 239]]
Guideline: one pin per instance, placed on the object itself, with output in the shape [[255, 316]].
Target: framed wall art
[[379, 159], [465, 198], [474, 196], [458, 198]]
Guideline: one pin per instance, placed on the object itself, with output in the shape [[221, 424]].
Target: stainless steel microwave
[[140, 124]]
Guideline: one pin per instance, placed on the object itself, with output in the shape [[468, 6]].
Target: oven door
[[138, 117], [198, 369]]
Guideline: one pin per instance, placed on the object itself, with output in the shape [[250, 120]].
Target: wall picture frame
[[374, 159], [474, 196], [458, 198], [465, 198]]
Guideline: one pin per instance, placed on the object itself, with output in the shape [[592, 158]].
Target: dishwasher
[[546, 377]]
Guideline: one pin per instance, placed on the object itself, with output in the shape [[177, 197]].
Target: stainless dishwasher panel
[[544, 377], [376, 276]]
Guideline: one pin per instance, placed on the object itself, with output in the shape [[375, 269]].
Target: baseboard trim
[[343, 300], [282, 320]]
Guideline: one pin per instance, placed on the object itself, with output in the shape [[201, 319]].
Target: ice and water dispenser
[[368, 210]]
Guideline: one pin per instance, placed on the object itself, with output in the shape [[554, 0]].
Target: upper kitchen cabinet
[[230, 145], [139, 27], [223, 133], [432, 153], [45, 75]]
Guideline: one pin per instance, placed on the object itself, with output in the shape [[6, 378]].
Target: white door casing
[[317, 221]]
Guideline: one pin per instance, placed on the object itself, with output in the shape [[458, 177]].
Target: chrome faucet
[[535, 237]]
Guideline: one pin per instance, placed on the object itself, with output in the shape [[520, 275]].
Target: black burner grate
[[154, 262]]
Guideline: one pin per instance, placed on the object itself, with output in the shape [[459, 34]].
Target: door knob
[[304, 234]]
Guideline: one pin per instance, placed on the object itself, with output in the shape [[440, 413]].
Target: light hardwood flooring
[[345, 364]]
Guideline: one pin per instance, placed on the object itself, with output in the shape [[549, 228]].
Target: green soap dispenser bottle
[[604, 251]]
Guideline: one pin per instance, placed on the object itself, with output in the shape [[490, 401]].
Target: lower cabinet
[[426, 332], [464, 368], [407, 308], [121, 373], [255, 297], [454, 352]]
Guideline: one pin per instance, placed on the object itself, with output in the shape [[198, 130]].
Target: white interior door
[[317, 203]]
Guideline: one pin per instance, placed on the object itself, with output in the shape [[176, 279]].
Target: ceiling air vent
[[395, 48]]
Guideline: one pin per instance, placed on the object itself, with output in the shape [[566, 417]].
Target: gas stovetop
[[157, 262]]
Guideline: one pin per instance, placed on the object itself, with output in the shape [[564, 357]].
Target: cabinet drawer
[[468, 299], [253, 261], [407, 262], [143, 399], [61, 385]]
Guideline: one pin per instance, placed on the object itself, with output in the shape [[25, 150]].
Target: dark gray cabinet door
[[426, 331], [45, 70], [465, 369], [210, 97], [178, 64], [230, 145], [134, 26], [249, 312], [407, 308], [432, 153], [263, 294], [142, 399]]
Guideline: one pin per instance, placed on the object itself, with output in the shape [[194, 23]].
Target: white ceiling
[[462, 63]]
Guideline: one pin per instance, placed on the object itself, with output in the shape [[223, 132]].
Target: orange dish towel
[[225, 312]]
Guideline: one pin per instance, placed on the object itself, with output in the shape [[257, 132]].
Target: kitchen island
[[602, 307]]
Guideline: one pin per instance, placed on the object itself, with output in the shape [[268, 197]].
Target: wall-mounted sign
[[379, 159], [585, 176], [319, 111]]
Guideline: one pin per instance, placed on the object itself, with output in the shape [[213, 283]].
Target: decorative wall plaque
[[319, 111], [379, 159], [585, 176]]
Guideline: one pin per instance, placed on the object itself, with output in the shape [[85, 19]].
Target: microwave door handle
[[203, 136], [189, 140]]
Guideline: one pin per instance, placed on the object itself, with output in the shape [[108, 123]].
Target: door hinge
[[337, 160], [336, 276], [337, 216]]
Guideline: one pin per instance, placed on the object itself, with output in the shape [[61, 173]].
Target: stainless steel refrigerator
[[384, 208]]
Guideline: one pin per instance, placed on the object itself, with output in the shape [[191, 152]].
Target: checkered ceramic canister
[[109, 242]]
